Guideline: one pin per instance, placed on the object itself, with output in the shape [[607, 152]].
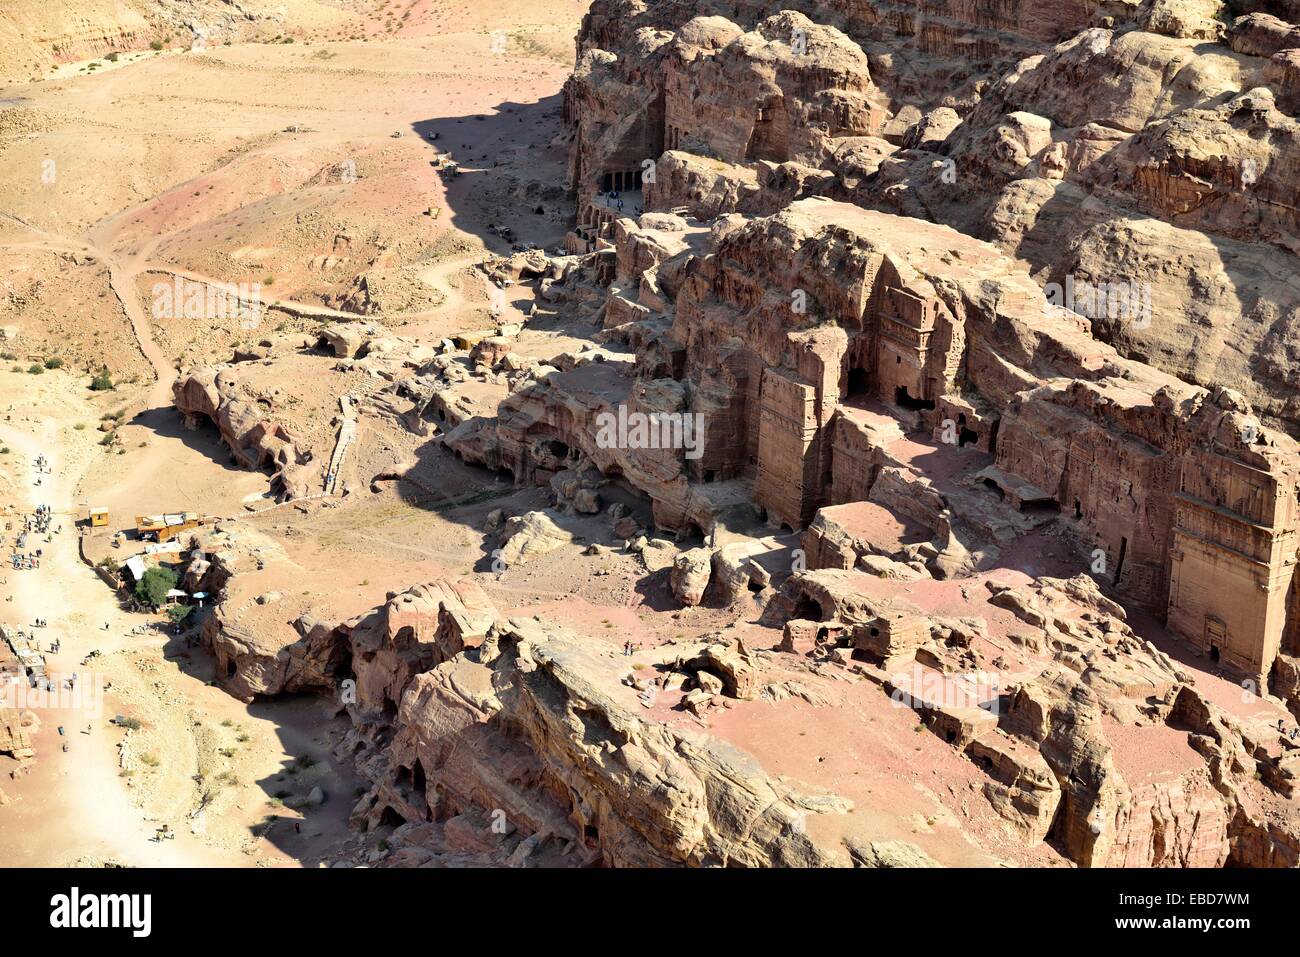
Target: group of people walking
[[38, 523]]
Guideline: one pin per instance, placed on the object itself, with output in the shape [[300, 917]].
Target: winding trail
[[126, 269], [123, 271], [122, 280]]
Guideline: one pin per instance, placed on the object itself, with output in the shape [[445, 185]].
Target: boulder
[[690, 575], [527, 537]]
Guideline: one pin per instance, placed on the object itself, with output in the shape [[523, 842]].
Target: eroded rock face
[[690, 575], [349, 340], [15, 736], [253, 666], [525, 725], [781, 327], [1063, 765], [936, 338], [1181, 146], [255, 442], [805, 83], [530, 536], [638, 795], [1202, 150], [261, 647], [757, 68]]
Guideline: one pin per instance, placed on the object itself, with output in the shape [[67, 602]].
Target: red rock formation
[[516, 720], [210, 392], [15, 738], [918, 403]]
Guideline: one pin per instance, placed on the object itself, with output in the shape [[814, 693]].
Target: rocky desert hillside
[[816, 434], [36, 37], [973, 311]]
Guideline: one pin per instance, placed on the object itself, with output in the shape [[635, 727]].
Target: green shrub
[[102, 382], [178, 613], [153, 586]]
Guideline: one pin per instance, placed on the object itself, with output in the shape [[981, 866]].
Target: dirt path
[[436, 278], [122, 279], [82, 787], [122, 274], [202, 762], [126, 205]]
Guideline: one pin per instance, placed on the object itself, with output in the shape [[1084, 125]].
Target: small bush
[[155, 584], [102, 382], [35, 369], [54, 362], [156, 45]]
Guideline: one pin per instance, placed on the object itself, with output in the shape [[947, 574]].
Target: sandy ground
[[304, 169], [224, 165], [78, 804]]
